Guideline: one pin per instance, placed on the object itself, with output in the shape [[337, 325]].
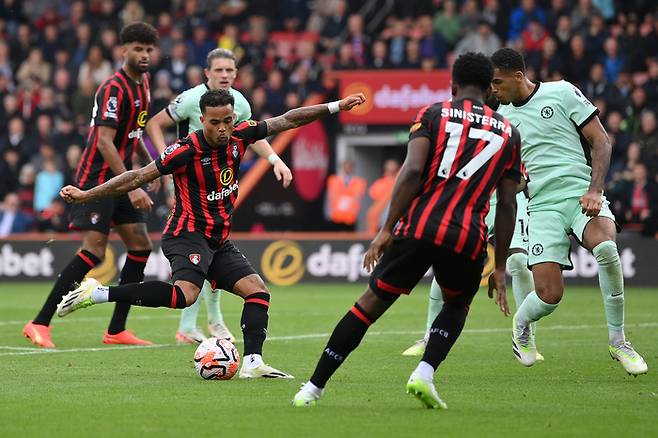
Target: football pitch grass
[[85, 388]]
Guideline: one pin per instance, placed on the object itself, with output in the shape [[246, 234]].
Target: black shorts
[[103, 214], [195, 258], [406, 261]]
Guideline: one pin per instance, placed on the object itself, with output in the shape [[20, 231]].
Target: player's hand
[[282, 172], [591, 203], [72, 195], [154, 186], [381, 241], [497, 283], [349, 102], [140, 200]]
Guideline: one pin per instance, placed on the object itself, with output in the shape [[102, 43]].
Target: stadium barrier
[[285, 258]]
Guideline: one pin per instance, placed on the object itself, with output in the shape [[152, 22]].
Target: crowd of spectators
[[53, 55]]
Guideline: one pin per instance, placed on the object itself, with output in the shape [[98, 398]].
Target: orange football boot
[[126, 337], [38, 334]]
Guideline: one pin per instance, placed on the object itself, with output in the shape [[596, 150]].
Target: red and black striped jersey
[[123, 104], [471, 149], [206, 180]]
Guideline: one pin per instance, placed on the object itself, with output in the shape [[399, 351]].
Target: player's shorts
[[406, 261], [520, 236], [195, 258], [549, 230], [102, 214]]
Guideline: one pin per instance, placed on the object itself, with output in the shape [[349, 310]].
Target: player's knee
[[261, 298], [551, 294], [189, 291], [97, 251], [606, 253], [516, 263]]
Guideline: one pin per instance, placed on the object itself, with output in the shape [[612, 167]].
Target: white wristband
[[334, 106], [273, 158]]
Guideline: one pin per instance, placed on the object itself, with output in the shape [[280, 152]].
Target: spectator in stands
[[582, 14], [498, 20], [108, 41], [34, 67], [380, 192], [73, 154], [50, 43], [431, 43], [613, 62], [275, 93], [95, 67], [563, 34], [578, 61], [551, 65], [17, 139], [334, 24], [21, 45], [521, 17], [5, 63], [54, 218], [379, 58], [82, 100], [176, 65], [358, 39], [470, 14], [639, 199], [65, 134], [412, 58], [9, 171], [397, 42], [11, 219], [82, 42], [200, 44], [481, 39], [47, 185], [596, 37], [344, 194], [25, 191], [619, 139], [633, 111], [648, 139]]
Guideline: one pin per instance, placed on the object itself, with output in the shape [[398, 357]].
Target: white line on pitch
[[309, 336]]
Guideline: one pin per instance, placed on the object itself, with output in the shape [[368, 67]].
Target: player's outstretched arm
[[282, 173], [118, 185], [596, 136], [503, 230], [406, 187], [306, 114]]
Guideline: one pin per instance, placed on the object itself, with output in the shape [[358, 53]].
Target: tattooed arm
[[306, 114], [596, 136], [118, 185]]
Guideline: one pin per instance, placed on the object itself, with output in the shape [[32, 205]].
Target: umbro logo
[[205, 161], [137, 102]]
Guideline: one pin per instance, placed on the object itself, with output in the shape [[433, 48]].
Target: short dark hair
[[508, 59], [219, 53], [215, 98], [473, 69], [139, 32]]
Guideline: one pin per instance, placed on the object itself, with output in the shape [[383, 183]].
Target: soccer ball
[[216, 359]]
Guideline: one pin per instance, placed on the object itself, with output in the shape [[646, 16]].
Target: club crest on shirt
[[252, 122], [537, 249], [415, 127], [137, 102], [235, 151], [195, 258], [94, 217], [547, 112]]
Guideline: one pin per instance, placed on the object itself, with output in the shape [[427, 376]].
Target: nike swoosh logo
[[516, 126], [617, 294]]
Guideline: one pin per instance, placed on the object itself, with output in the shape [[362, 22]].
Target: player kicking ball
[[566, 197], [458, 153], [517, 266], [205, 166]]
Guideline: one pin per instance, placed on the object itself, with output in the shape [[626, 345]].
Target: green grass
[[577, 391]]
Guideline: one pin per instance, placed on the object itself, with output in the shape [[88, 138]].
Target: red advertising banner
[[392, 96], [310, 160]]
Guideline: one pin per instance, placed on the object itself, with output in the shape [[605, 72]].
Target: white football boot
[[630, 359], [523, 343], [307, 395]]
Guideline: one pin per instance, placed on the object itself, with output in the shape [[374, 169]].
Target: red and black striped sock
[[148, 294], [346, 337], [132, 272], [254, 322], [74, 272], [444, 332]]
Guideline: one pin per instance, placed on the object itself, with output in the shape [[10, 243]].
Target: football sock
[[345, 338], [213, 305], [425, 371], [434, 307], [533, 308], [132, 272], [148, 294], [522, 281], [254, 322], [611, 281], [74, 272], [189, 315], [445, 330]]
